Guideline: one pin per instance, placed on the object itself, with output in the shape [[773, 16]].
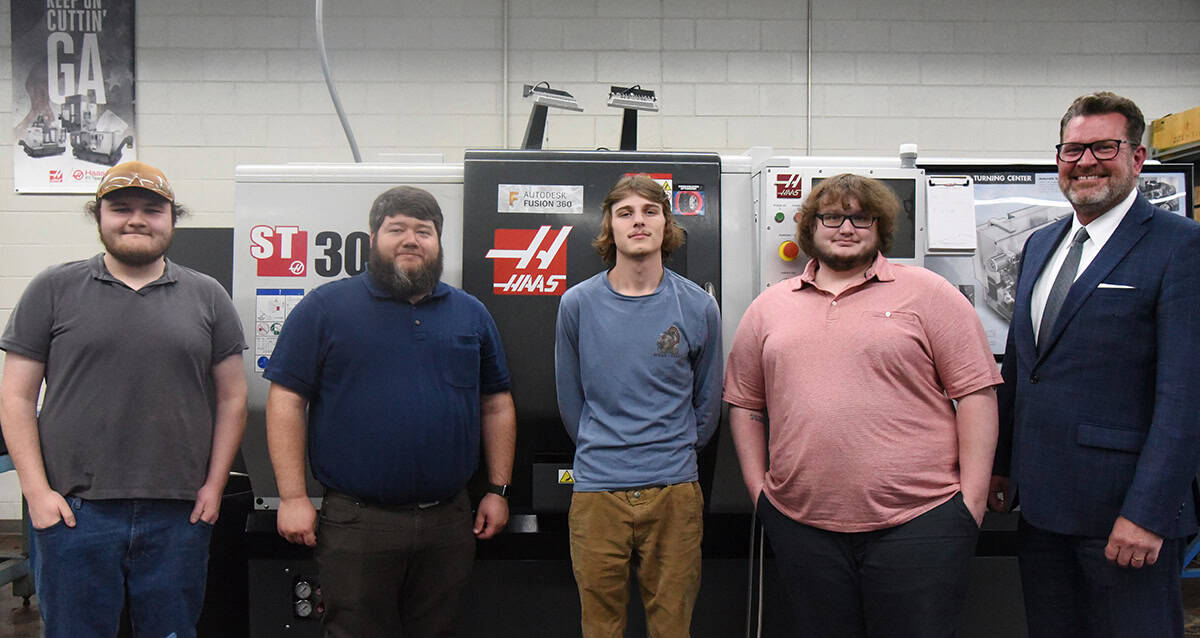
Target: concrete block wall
[[226, 82]]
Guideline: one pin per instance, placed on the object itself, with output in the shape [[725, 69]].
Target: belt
[[390, 507]]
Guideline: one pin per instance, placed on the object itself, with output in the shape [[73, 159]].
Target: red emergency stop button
[[789, 251]]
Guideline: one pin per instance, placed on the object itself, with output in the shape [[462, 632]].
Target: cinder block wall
[[224, 82]]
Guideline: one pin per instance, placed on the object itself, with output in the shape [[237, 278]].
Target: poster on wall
[[1010, 204], [72, 92]]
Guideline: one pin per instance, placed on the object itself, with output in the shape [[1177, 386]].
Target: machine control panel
[[780, 196], [782, 188], [789, 250]]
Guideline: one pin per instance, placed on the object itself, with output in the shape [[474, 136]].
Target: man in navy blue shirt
[[391, 378]]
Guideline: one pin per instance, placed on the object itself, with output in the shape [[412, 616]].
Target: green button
[[778, 217]]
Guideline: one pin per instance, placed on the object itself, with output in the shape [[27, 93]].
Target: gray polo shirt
[[130, 398]]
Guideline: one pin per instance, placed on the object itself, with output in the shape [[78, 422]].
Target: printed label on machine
[[272, 306], [689, 200], [531, 198], [522, 266], [665, 179], [280, 251], [787, 186]]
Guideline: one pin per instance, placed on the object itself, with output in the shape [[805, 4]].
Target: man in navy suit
[[1100, 409]]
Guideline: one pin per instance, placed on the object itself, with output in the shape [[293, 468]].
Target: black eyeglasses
[[1101, 149], [835, 220]]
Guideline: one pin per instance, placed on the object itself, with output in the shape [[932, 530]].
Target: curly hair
[[836, 191]]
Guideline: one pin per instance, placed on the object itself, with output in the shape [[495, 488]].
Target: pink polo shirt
[[857, 389]]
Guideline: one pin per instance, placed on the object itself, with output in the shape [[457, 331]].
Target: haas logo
[[281, 251], [523, 267], [787, 186]]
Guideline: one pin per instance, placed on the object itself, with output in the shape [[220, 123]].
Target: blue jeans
[[144, 550]]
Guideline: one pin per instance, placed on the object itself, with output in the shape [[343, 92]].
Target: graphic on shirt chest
[[521, 266], [668, 343]]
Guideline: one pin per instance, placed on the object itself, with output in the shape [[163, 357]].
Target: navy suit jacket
[[1105, 420]]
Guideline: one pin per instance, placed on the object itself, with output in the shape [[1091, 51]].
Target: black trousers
[[903, 581], [1071, 589], [393, 572]]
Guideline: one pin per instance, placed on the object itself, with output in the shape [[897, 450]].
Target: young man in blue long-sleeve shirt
[[638, 371]]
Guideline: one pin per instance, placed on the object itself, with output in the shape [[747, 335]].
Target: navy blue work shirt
[[393, 387]]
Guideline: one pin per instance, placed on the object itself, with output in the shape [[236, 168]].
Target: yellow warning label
[[565, 477]]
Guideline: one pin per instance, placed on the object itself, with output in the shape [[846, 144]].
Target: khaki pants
[[656, 529]]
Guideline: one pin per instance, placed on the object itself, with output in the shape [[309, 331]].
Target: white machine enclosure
[[297, 227], [782, 184]]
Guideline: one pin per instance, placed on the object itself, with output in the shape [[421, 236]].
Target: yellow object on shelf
[[1175, 129]]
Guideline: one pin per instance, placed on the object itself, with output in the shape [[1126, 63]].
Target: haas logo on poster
[[281, 251], [523, 267], [787, 186]]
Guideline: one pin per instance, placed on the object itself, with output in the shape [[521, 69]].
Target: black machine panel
[[535, 213]]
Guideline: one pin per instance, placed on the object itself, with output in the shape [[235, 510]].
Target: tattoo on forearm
[[758, 416]]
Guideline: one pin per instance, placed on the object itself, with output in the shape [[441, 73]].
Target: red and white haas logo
[[520, 268], [56, 176], [787, 186], [281, 251]]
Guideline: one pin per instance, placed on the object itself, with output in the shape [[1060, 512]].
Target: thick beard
[[135, 258], [400, 283], [844, 263]]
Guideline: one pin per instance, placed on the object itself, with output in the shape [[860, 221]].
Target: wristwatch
[[501, 490]]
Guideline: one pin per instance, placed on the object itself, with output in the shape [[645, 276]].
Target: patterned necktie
[[1062, 283]]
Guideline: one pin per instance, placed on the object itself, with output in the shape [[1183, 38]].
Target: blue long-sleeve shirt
[[639, 381]]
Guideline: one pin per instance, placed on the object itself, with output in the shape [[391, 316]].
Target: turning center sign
[[529, 261]]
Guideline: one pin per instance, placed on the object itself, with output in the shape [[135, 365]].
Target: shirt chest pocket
[[459, 360], [890, 335]]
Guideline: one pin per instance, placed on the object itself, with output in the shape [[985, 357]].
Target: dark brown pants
[[394, 572]]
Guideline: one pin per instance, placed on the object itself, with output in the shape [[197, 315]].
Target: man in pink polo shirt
[[877, 479]]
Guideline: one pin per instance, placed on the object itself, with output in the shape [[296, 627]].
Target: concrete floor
[[20, 621], [17, 620]]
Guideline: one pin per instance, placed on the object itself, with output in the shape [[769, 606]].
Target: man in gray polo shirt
[[124, 466]]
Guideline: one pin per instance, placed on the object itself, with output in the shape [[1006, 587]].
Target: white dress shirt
[[1099, 230]]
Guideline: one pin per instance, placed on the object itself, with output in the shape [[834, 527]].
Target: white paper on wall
[[950, 203]]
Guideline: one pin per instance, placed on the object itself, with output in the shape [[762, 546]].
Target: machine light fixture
[[631, 99], [634, 97], [543, 97]]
